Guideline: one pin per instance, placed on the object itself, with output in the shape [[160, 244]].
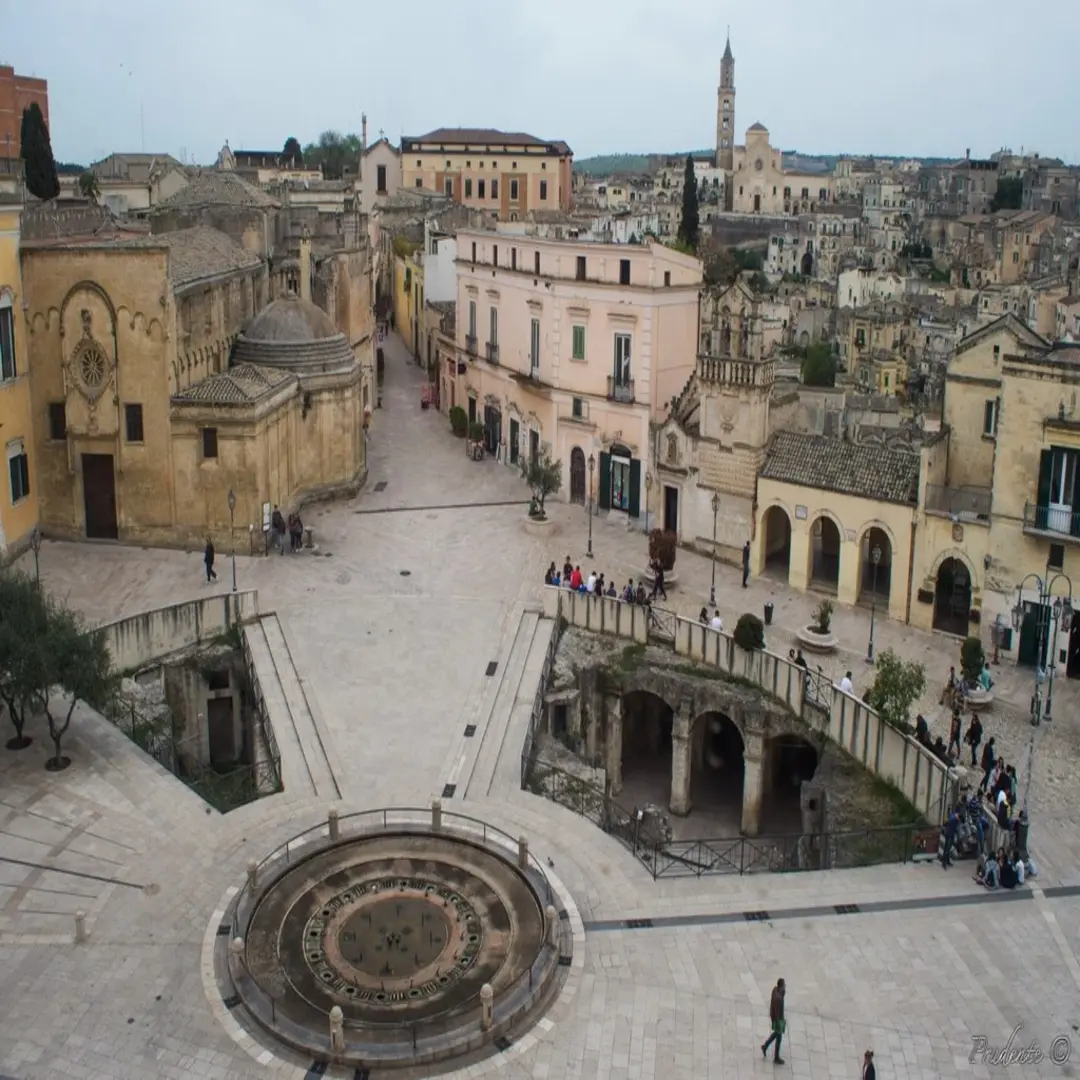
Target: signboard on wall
[[266, 517]]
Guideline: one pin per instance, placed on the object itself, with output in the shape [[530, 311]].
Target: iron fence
[[223, 787], [662, 623], [709, 856]]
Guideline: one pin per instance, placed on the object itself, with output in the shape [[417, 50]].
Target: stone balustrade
[[885, 751]]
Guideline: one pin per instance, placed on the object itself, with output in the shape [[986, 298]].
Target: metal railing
[[968, 502], [708, 856], [364, 823], [470, 344], [492, 353], [620, 390], [661, 623], [1052, 520]]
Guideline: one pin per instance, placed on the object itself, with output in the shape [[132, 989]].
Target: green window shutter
[[514, 441], [605, 481], [1046, 471], [579, 342], [635, 488]]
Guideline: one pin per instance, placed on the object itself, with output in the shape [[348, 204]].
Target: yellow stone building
[[409, 299], [162, 380], [836, 517], [18, 496]]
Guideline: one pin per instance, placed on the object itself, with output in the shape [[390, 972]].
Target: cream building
[[760, 184], [575, 347], [505, 174]]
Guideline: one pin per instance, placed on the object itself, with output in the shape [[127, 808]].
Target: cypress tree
[[37, 155], [688, 226]]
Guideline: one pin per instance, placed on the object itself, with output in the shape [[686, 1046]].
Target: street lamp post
[[875, 558], [232, 534], [1060, 615], [648, 488], [592, 466], [715, 511], [35, 546]]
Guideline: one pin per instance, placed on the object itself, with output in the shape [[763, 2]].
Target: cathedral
[[755, 180]]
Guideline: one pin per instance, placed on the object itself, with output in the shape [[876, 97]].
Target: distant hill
[[611, 164], [629, 164]]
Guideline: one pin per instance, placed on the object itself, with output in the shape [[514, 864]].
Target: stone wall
[[141, 639]]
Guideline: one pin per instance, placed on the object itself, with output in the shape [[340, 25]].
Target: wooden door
[[99, 496]]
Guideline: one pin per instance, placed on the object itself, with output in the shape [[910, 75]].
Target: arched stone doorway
[[825, 554], [776, 530], [647, 722], [808, 263], [577, 475], [952, 598], [717, 774], [790, 762], [875, 576]]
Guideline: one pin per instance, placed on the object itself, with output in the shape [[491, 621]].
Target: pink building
[[573, 347]]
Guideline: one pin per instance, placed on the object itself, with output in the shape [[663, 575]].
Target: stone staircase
[[307, 755]]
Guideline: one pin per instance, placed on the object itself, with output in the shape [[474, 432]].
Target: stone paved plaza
[[925, 964]]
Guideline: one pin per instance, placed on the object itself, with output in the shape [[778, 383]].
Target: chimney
[[363, 132], [305, 269]]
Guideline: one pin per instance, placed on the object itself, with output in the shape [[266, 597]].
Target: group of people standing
[[572, 578]]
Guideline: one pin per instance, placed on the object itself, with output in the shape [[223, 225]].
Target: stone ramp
[[510, 691], [306, 752]]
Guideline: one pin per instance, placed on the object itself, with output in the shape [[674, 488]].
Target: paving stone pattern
[[397, 665]]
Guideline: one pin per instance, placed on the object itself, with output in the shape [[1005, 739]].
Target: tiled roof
[[240, 385], [199, 253], [817, 461], [216, 187], [487, 136]]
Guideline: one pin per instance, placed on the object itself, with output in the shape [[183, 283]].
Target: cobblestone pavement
[[920, 963]]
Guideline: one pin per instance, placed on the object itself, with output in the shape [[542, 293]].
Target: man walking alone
[[208, 560], [745, 563], [776, 1015]]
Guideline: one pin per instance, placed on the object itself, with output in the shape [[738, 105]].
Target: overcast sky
[[856, 76]]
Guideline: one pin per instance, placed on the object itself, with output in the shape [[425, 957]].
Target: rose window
[[92, 368]]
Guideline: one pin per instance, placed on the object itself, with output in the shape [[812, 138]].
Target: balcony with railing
[[492, 352], [470, 344], [962, 503], [1060, 523], [621, 390]]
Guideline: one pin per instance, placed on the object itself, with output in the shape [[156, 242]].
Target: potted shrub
[[972, 662], [474, 445], [663, 546], [459, 421], [544, 476], [818, 636], [749, 633]]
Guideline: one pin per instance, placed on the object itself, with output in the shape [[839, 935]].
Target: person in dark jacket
[[776, 1017], [868, 1070], [989, 756], [208, 560], [745, 563], [952, 826]]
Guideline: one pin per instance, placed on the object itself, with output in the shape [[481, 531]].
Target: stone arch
[[776, 527], [951, 553], [88, 286], [875, 579], [790, 760], [825, 549], [577, 475], [645, 753], [718, 768], [954, 586]]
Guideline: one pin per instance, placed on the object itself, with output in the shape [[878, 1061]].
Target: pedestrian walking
[[208, 560], [776, 1018], [954, 733], [952, 826], [745, 563], [658, 580], [973, 738], [868, 1070]]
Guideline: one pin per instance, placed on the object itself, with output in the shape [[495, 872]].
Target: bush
[[749, 632], [476, 431], [972, 659], [822, 617], [459, 421], [897, 685], [662, 547]]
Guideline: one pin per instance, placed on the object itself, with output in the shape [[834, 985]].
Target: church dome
[[295, 334]]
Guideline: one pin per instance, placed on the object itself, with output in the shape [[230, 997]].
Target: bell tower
[[725, 111]]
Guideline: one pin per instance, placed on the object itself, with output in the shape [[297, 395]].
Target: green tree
[[688, 224], [543, 475], [759, 282], [897, 685], [748, 259], [749, 632], [1009, 194], [88, 184], [819, 366], [23, 667], [332, 153], [80, 668], [292, 152], [37, 155], [720, 267], [972, 659]]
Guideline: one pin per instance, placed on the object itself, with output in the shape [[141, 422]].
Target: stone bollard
[[80, 927], [236, 950], [552, 924], [253, 873], [337, 1030], [523, 853], [436, 815], [333, 823], [487, 1006]]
